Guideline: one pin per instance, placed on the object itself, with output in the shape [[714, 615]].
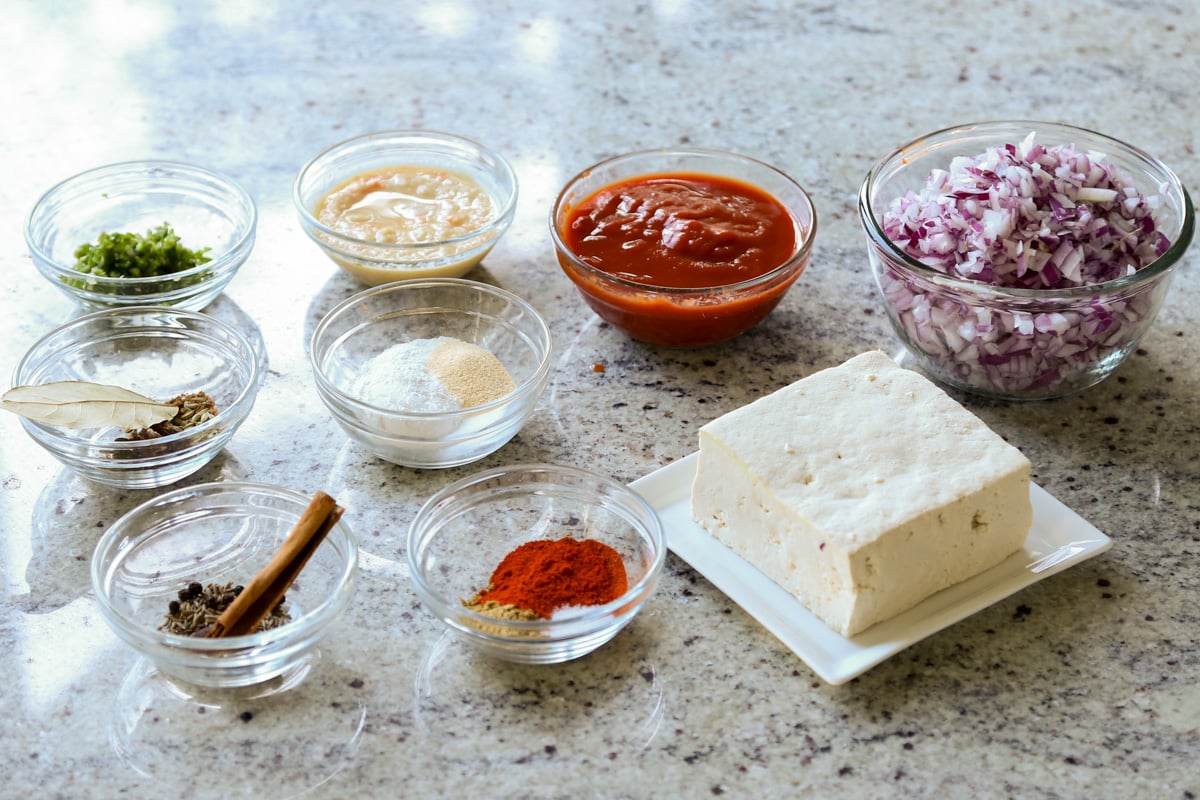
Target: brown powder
[[472, 374], [503, 612]]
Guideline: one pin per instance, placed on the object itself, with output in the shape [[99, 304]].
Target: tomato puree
[[688, 233], [682, 231]]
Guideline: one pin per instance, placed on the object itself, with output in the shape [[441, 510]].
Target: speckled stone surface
[[1085, 685]]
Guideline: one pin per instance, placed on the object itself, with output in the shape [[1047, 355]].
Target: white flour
[[431, 375]]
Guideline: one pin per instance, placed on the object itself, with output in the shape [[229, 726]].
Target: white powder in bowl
[[431, 375]]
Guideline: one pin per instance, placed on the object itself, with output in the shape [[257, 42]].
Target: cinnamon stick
[[268, 587]]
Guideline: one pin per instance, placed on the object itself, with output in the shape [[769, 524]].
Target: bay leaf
[[81, 404]]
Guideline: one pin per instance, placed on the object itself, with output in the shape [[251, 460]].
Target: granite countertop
[[1085, 684]]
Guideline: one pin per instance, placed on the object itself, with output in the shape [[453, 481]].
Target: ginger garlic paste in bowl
[[1023, 259], [393, 205]]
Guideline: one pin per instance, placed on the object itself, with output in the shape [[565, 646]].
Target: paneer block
[[862, 490]]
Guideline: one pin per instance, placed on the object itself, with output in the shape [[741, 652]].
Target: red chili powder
[[545, 575]]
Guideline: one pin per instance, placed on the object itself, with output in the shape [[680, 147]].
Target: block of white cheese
[[862, 490]]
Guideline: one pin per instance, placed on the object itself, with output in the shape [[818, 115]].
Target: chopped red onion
[[1023, 216]]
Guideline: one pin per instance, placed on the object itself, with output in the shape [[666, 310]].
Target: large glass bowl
[[218, 533], [1017, 343], [205, 209], [376, 262], [667, 315], [363, 326], [463, 532], [157, 352]]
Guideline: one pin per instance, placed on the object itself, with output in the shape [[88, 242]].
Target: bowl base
[[287, 740]]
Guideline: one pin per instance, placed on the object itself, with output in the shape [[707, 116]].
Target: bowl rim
[[574, 625], [506, 205], [898, 257], [802, 252], [242, 403], [530, 384], [318, 618], [231, 257]]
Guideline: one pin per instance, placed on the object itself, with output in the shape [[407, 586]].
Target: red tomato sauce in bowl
[[682, 231], [682, 258]]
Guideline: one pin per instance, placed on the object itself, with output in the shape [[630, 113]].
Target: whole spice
[[265, 591], [82, 404], [199, 606], [195, 408], [544, 575]]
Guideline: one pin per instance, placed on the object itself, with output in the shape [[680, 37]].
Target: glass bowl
[[462, 533], [667, 315], [218, 533], [1014, 343], [205, 209], [160, 353], [410, 250], [363, 326]]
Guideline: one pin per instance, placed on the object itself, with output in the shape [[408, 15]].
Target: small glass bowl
[[933, 313], [366, 324], [679, 317], [205, 208], [218, 533], [462, 533], [374, 262], [158, 352]]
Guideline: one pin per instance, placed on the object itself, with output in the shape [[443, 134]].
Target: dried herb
[[80, 404], [199, 606], [194, 408]]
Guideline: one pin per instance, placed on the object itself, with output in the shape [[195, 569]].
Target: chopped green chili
[[134, 255]]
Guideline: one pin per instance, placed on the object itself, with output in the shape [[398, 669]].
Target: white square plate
[[1059, 538]]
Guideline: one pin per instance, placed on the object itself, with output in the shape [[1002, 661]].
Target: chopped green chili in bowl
[[156, 253], [140, 259]]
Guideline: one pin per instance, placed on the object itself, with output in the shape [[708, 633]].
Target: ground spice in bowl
[[544, 575], [433, 375]]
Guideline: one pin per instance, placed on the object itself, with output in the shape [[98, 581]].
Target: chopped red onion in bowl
[[1027, 216], [1014, 352], [1023, 270]]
